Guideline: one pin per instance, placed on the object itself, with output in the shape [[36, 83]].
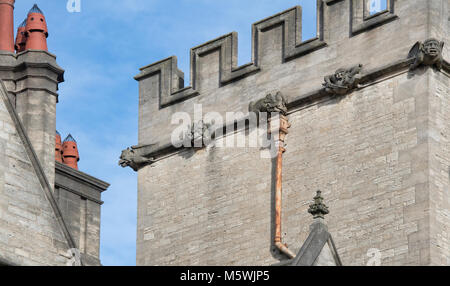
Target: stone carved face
[[340, 75], [432, 47], [343, 80], [275, 103], [126, 157]]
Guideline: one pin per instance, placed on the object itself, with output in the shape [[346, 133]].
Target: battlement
[[172, 79], [347, 35], [363, 117]]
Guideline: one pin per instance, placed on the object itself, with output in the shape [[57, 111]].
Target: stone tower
[[367, 103], [49, 211]]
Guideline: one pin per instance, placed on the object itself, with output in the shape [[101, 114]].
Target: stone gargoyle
[[198, 134], [134, 157], [270, 103], [343, 80], [428, 53]]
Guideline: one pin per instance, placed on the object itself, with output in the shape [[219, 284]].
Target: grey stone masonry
[[380, 149], [32, 231], [42, 224], [79, 197], [33, 77]]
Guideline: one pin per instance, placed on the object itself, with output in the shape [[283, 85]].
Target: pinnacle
[[35, 9]]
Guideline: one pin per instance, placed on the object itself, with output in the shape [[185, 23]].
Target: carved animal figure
[[271, 103], [428, 53], [132, 157], [343, 80]]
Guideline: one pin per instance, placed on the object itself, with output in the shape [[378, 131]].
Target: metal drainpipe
[[283, 131]]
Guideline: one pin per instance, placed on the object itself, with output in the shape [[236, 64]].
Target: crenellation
[[171, 90], [299, 78]]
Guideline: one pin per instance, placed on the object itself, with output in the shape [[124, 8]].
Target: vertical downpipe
[[284, 125]]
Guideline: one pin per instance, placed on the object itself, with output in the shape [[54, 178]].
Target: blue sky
[[102, 48]]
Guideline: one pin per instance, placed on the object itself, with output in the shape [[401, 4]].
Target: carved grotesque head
[[126, 157], [432, 47], [276, 103], [340, 75]]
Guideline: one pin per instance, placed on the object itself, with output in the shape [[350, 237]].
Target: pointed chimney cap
[[69, 138], [35, 9], [24, 24], [57, 133]]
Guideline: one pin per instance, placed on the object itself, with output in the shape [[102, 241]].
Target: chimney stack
[[58, 148], [7, 25], [70, 152], [34, 75], [36, 30], [21, 39]]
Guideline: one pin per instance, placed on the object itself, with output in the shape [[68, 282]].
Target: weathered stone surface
[[39, 222], [343, 80], [428, 53], [318, 249], [30, 232], [134, 157], [79, 197], [380, 152], [272, 103]]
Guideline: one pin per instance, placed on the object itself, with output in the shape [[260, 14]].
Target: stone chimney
[[33, 78]]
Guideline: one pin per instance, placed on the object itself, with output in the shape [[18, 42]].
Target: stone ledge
[[159, 150], [82, 177]]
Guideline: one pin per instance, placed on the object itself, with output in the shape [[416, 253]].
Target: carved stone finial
[[133, 158], [271, 103], [428, 53], [343, 80], [318, 209]]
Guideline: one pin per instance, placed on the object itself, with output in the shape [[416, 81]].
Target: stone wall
[[439, 159], [29, 231], [79, 197], [32, 79], [368, 153], [378, 154]]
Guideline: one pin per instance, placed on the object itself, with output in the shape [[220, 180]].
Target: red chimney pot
[[58, 148], [36, 30], [70, 152], [21, 39], [7, 25]]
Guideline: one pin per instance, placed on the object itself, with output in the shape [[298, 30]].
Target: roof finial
[[70, 138], [35, 9], [318, 209], [24, 24]]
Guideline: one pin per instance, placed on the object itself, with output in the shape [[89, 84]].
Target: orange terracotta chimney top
[[70, 152], [36, 30], [58, 148], [21, 39], [7, 25]]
